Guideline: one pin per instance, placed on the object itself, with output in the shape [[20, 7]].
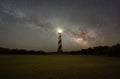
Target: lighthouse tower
[[59, 41]]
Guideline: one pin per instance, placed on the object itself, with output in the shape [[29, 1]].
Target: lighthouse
[[60, 50]]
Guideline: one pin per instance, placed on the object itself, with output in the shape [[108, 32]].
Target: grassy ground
[[58, 67]]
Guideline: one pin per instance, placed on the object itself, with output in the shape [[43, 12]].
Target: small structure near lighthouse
[[60, 50]]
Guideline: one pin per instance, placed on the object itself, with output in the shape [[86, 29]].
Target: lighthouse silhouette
[[60, 50]]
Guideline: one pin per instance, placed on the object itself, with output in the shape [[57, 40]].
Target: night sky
[[32, 24]]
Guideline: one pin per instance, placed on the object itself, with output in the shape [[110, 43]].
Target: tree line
[[99, 50], [7, 51]]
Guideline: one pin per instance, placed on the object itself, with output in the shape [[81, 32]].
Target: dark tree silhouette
[[99, 50], [19, 51]]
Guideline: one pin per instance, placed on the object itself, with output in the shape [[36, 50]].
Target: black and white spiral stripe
[[59, 43]]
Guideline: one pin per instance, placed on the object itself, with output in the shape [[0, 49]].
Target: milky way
[[32, 24]]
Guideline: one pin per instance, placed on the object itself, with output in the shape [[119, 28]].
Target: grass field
[[58, 67]]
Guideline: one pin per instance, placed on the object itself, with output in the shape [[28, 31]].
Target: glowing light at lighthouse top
[[60, 31]]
